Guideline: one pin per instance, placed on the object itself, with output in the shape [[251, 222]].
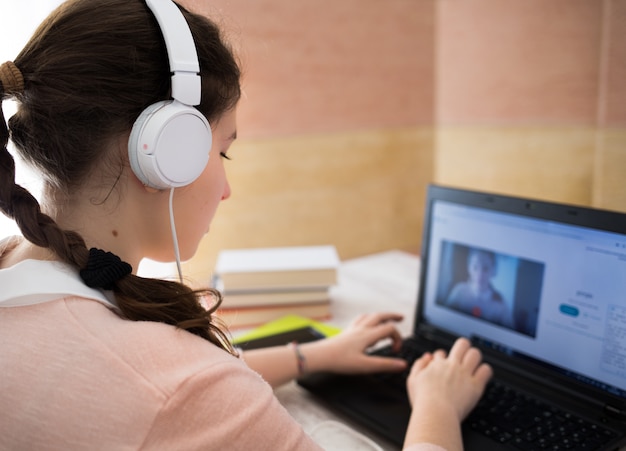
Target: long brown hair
[[89, 70]]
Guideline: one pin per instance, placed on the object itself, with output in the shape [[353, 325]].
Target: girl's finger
[[472, 358], [422, 362], [459, 349]]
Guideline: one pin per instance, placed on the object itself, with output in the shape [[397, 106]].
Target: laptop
[[540, 288]]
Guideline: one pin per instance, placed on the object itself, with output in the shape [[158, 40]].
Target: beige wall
[[350, 108], [361, 191]]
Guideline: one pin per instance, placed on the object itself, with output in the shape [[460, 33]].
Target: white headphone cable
[[174, 236]]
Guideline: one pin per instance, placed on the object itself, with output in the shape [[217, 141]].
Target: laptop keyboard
[[509, 416]]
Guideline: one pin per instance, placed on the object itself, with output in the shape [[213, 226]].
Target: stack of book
[[261, 285]]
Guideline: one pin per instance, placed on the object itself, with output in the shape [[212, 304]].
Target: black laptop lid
[[539, 286]]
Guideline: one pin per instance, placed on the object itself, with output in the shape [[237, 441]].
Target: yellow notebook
[[285, 324]]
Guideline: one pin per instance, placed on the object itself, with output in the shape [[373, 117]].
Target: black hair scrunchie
[[104, 269]]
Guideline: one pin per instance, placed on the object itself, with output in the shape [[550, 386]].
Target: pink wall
[[613, 92], [518, 62], [331, 66], [334, 66]]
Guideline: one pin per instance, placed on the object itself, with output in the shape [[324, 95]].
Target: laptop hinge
[[433, 335], [425, 330], [614, 412]]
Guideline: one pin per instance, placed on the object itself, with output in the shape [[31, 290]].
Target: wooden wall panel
[[609, 185], [612, 101], [552, 164]]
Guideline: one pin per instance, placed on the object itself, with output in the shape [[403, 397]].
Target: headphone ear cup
[[169, 145]]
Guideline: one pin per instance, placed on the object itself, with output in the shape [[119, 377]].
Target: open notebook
[[541, 288]]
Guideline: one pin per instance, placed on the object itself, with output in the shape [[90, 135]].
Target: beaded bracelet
[[300, 359]]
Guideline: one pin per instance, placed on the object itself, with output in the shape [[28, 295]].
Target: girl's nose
[[226, 193]]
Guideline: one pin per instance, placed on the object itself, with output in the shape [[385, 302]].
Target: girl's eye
[[223, 155]]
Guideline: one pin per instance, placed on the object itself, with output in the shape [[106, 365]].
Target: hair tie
[[104, 269], [11, 78]]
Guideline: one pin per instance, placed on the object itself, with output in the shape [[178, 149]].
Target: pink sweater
[[77, 376]]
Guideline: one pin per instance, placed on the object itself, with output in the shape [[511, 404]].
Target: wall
[[350, 108], [531, 98], [610, 164], [335, 128]]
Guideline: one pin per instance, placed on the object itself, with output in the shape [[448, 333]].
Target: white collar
[[32, 282]]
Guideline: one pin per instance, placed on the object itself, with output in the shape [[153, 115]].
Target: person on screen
[[476, 296], [95, 356]]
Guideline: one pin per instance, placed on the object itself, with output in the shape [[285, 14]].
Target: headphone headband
[[181, 51], [169, 143]]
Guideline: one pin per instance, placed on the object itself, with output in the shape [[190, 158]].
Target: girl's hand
[[347, 352], [443, 390], [458, 379]]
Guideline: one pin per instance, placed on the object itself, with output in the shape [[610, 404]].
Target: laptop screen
[[543, 290]]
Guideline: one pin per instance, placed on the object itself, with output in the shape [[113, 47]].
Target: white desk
[[381, 282]]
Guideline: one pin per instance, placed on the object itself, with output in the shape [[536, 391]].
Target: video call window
[[501, 289]]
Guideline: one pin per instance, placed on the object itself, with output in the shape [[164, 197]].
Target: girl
[[92, 354]]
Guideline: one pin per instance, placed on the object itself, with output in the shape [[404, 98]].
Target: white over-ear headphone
[[170, 141]]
